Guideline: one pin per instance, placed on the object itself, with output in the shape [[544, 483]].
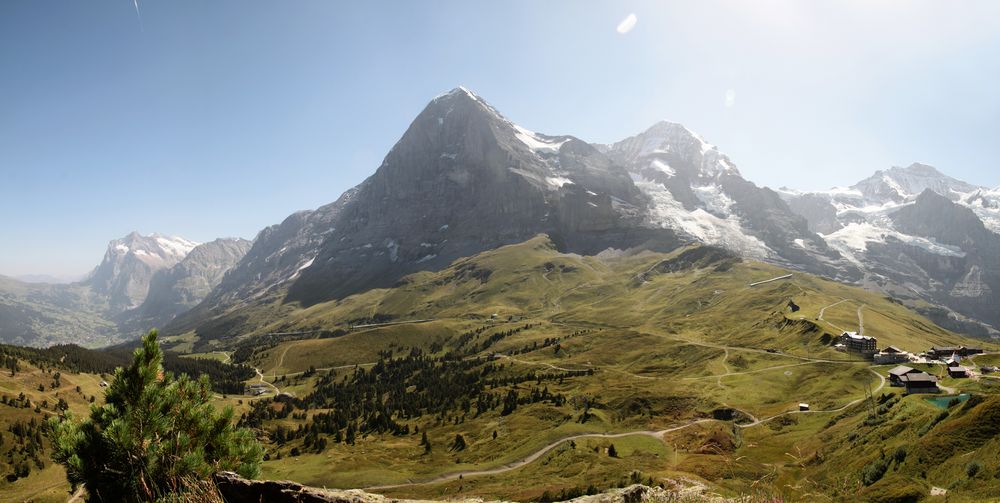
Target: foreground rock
[[232, 487]]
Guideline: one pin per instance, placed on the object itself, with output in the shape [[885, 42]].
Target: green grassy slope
[[670, 338], [694, 374]]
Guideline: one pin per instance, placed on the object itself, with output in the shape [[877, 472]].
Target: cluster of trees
[[534, 346], [10, 363], [501, 335], [23, 447], [225, 378], [388, 397]]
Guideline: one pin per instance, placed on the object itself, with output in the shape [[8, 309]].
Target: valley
[[675, 390], [551, 319]]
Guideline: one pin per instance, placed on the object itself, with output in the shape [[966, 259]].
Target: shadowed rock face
[[818, 212], [968, 282], [464, 179]]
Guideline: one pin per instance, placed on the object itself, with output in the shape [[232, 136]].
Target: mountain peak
[[462, 97], [903, 184], [668, 145], [919, 169]]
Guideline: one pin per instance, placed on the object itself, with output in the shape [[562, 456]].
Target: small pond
[[941, 402]]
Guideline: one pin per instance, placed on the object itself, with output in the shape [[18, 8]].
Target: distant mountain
[[917, 234], [142, 281], [697, 191], [174, 290], [129, 264]]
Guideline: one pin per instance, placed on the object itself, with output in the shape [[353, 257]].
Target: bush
[[874, 471], [972, 469], [900, 454], [153, 436]]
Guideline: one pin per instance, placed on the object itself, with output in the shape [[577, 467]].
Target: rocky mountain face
[[463, 179], [129, 265], [697, 191], [916, 234]]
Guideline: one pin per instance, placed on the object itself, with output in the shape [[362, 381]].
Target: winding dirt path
[[823, 310], [658, 434], [542, 364]]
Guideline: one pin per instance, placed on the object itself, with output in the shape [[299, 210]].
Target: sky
[[213, 119]]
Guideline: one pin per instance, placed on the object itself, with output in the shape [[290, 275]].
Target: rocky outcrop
[[234, 488]]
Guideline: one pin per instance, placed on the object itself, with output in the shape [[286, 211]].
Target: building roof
[[855, 336], [919, 378], [957, 370], [945, 349], [901, 370], [892, 349]]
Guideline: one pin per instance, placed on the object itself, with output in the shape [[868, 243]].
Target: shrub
[[874, 471], [153, 436], [900, 454], [972, 469]]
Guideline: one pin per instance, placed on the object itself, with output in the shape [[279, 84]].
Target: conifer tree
[[155, 437]]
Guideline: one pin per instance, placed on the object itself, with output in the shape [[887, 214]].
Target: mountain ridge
[[460, 163]]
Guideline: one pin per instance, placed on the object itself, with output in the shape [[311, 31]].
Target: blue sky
[[207, 119]]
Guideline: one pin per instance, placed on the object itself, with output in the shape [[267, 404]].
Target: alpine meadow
[[653, 301]]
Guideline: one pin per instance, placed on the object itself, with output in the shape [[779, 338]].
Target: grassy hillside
[[522, 367], [28, 396], [631, 343]]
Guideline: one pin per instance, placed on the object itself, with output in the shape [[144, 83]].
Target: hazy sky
[[207, 119]]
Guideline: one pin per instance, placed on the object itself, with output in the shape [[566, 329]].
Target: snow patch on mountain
[[667, 212], [857, 236], [536, 143], [175, 246]]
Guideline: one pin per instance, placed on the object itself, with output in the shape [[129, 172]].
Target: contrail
[[138, 15]]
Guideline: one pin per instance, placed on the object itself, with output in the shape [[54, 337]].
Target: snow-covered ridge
[[155, 249], [888, 190], [667, 142], [856, 236], [536, 143]]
